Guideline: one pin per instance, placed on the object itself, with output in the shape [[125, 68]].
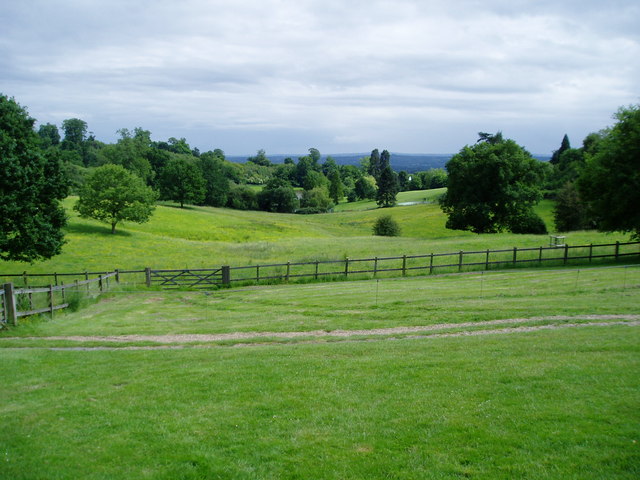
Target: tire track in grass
[[317, 336]]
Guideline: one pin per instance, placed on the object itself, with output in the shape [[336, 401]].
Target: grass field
[[547, 404], [198, 237], [522, 373]]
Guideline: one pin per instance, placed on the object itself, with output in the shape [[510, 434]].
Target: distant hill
[[410, 162]]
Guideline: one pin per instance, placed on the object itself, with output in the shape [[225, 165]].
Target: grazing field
[[522, 373], [552, 391], [200, 237]]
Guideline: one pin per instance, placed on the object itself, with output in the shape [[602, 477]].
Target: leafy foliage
[[31, 187], [388, 188], [112, 194], [492, 186], [570, 212], [386, 226], [181, 181], [610, 182], [278, 196]]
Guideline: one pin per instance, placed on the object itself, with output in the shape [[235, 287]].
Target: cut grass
[[559, 405]]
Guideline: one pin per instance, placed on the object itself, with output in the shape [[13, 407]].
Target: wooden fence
[[33, 300], [431, 263]]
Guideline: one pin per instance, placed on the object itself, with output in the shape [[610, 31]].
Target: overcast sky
[[342, 76]]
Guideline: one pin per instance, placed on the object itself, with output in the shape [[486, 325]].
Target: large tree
[[388, 188], [31, 188], [181, 180], [492, 186], [113, 194], [610, 181]]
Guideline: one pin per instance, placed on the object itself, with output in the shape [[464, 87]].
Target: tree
[[75, 133], [181, 181], [336, 189], [387, 188], [260, 159], [315, 201], [216, 183], [385, 160], [492, 186], [570, 212], [373, 168], [610, 181], [113, 194], [278, 196], [49, 135], [364, 188], [565, 145], [31, 188]]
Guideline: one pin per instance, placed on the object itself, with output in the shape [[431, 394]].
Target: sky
[[343, 76]]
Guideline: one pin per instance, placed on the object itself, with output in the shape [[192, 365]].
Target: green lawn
[[546, 404]]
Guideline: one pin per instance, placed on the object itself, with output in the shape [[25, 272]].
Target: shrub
[[529, 222], [242, 197], [386, 226]]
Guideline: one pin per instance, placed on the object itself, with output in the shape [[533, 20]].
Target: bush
[[315, 201], [529, 222], [386, 226], [242, 197]]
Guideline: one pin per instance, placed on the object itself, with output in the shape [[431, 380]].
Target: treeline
[[187, 176], [494, 184]]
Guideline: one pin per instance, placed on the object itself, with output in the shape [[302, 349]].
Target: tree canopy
[[388, 188], [31, 187], [181, 180], [492, 186], [112, 194], [610, 180]]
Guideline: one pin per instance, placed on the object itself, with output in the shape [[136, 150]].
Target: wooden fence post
[[460, 260], [540, 256], [55, 278], [86, 279], [404, 265], [486, 260], [25, 278], [590, 252], [100, 283], [62, 292], [316, 274], [147, 276], [346, 267], [11, 316], [375, 267], [617, 250], [431, 264], [51, 299], [515, 255], [566, 253], [117, 275], [288, 271], [226, 275], [257, 273]]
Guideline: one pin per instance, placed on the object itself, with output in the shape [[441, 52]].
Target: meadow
[[522, 373], [203, 237]]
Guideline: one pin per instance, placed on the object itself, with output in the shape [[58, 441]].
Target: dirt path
[[187, 340]]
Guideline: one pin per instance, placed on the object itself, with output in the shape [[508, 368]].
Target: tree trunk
[[113, 227]]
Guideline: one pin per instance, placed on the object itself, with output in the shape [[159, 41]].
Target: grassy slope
[[549, 404], [207, 237]]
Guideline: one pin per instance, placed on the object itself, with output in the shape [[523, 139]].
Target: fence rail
[[20, 302], [283, 272]]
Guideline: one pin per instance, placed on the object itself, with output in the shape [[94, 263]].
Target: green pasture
[[198, 237], [366, 304], [546, 404]]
